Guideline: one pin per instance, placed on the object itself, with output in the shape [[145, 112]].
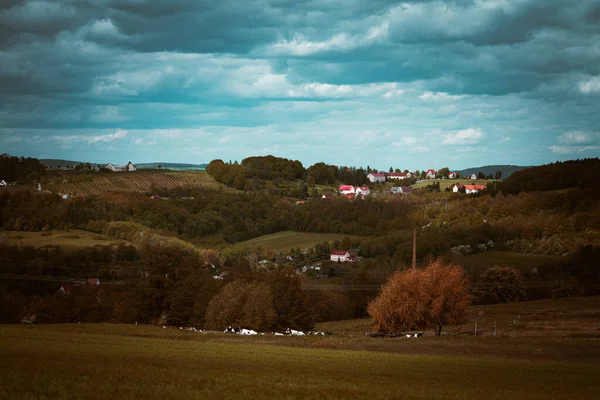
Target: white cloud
[[463, 137], [573, 149], [506, 139], [439, 96], [592, 85], [578, 138], [420, 149], [119, 134]]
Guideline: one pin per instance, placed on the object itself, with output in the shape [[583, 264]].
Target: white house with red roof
[[474, 188], [347, 189], [362, 190], [376, 177], [397, 175], [340, 255], [430, 174], [453, 175], [93, 281]]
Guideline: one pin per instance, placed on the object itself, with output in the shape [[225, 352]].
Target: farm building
[[402, 190], [362, 190], [458, 187], [121, 168], [397, 175], [430, 174], [474, 188], [346, 189], [375, 177], [453, 175], [473, 177], [340, 255]]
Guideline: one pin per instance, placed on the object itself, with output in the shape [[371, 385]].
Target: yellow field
[[71, 240], [283, 241]]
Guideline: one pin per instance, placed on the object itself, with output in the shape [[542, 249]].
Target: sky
[[413, 85]]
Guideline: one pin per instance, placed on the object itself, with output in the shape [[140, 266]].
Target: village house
[[430, 174], [346, 189], [458, 187], [93, 281], [402, 190], [396, 175], [376, 177], [453, 175], [473, 176], [474, 188], [362, 190], [340, 255], [121, 168], [351, 191]]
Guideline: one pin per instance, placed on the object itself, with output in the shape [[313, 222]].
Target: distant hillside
[[173, 166], [556, 176], [52, 163], [507, 170]]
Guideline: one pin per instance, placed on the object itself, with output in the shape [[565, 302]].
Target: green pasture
[[445, 183], [286, 240], [71, 240]]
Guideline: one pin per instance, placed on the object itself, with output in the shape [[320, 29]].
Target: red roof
[[475, 187], [350, 195], [431, 171], [93, 281], [396, 174], [346, 187], [364, 188], [339, 252], [378, 175]]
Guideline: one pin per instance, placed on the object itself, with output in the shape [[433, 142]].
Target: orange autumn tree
[[433, 296]]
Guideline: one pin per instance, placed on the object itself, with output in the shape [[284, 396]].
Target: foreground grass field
[[284, 241], [117, 361], [69, 241]]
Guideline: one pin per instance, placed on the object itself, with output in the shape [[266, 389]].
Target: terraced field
[[77, 184]]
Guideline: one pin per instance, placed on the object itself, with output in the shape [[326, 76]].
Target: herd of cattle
[[292, 332], [289, 332]]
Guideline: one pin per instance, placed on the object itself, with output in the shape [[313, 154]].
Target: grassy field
[[118, 361], [475, 264], [444, 183], [71, 240], [94, 183], [286, 240]]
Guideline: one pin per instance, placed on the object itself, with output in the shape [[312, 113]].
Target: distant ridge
[[507, 170], [174, 166], [53, 163]]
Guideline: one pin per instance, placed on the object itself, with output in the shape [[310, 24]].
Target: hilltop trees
[[501, 284], [20, 170], [273, 301], [435, 296]]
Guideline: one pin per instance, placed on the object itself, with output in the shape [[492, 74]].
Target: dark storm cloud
[[141, 64]]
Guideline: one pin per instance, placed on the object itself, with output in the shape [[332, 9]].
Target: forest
[[185, 264]]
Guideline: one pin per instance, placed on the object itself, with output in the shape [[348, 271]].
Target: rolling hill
[[507, 170], [95, 183], [171, 166]]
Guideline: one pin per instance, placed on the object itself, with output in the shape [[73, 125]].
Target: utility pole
[[414, 256]]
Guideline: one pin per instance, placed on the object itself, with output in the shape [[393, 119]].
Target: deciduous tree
[[435, 296]]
